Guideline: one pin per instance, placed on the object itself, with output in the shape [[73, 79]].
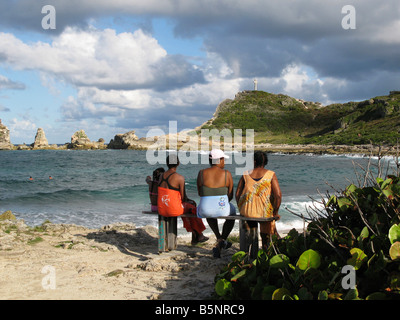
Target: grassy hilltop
[[277, 118]]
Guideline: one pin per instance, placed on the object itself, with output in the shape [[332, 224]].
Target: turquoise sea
[[96, 188]]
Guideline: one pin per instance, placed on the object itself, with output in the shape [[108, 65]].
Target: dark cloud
[[260, 35], [377, 84], [254, 38], [186, 117], [174, 71], [255, 57], [6, 83]]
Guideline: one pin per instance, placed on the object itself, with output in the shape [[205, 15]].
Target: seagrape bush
[[357, 233]]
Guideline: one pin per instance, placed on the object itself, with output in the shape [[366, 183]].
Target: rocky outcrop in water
[[124, 141], [40, 140], [80, 140], [5, 143]]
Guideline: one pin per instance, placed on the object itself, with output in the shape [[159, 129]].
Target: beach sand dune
[[119, 261]]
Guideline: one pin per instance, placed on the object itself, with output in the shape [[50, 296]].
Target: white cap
[[217, 154]]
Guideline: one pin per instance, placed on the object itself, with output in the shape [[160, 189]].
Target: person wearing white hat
[[217, 154], [215, 188]]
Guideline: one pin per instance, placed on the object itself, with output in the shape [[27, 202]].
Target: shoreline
[[115, 262], [360, 150]]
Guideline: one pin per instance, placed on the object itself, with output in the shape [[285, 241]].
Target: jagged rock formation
[[124, 141], [40, 140], [5, 143], [80, 140]]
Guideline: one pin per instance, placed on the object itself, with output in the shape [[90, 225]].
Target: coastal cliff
[[280, 119], [5, 143]]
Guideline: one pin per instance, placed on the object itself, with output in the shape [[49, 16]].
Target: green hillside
[[277, 118]]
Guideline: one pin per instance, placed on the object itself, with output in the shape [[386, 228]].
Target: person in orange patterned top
[[258, 195]]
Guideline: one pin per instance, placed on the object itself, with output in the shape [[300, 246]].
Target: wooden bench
[[168, 232]]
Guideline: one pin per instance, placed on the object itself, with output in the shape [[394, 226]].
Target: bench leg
[[162, 234], [248, 239], [167, 233], [172, 233]]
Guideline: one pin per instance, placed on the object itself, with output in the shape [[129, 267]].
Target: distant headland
[[281, 124]]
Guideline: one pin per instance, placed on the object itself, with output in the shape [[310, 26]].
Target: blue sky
[[112, 67]]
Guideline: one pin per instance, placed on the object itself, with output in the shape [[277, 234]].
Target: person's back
[[173, 202], [256, 200], [172, 180], [216, 181], [215, 188], [258, 173], [214, 177], [258, 195], [171, 193]]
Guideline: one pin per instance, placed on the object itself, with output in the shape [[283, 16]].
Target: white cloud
[[295, 79], [94, 102], [293, 47], [21, 129], [101, 58]]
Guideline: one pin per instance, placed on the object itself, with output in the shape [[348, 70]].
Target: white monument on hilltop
[[255, 84]]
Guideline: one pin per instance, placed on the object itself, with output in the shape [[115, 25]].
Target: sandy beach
[[119, 261]]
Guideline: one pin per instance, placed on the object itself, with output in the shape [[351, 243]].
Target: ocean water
[[96, 188]]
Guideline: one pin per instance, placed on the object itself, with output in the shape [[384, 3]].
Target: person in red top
[[172, 200]]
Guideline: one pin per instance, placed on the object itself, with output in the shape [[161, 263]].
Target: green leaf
[[350, 189], [223, 287], [394, 233], [279, 261], [394, 251], [343, 203], [352, 294], [376, 296], [357, 258], [280, 293], [364, 233], [388, 193], [386, 183], [238, 256], [331, 201], [309, 259], [323, 295], [239, 275]]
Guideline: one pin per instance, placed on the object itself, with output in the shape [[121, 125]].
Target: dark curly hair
[[157, 173], [260, 159], [172, 161]]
